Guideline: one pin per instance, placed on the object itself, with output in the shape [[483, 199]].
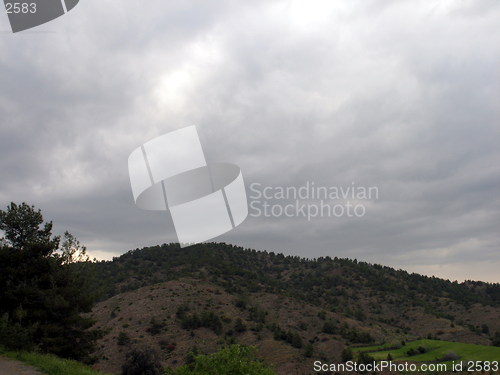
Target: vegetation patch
[[50, 364], [233, 360], [206, 319], [435, 350]]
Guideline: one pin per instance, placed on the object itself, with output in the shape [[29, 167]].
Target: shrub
[[294, 339], [485, 329], [257, 315], [329, 327], [241, 303], [123, 338], [302, 326], [421, 349], [191, 355], [233, 360], [239, 326], [212, 321], [181, 311], [346, 355], [15, 336], [365, 358], [309, 350], [496, 339], [290, 337], [354, 335], [142, 362], [206, 319], [154, 327], [411, 352]]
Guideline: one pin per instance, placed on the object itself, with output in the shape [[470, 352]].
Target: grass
[[436, 349], [51, 365]]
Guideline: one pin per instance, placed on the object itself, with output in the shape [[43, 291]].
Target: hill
[[292, 309]]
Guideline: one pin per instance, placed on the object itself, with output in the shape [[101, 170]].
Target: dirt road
[[12, 367]]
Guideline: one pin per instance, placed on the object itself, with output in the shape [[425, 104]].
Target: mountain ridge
[[210, 295]]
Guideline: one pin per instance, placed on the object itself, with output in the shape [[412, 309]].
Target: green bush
[[233, 360], [290, 337]]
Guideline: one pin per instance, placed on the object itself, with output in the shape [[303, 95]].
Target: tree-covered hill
[[293, 310], [322, 281]]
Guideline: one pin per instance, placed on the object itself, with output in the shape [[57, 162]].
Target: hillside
[[292, 309]]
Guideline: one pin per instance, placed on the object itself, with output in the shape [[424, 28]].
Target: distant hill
[[294, 310]]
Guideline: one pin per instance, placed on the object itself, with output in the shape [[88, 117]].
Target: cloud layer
[[399, 95]]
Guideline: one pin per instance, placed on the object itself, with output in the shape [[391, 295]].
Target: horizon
[[301, 257]]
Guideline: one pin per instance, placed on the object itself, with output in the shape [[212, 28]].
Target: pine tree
[[42, 290]]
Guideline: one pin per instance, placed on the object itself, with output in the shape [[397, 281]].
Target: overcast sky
[[401, 95]]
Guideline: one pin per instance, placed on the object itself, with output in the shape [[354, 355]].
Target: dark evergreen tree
[[42, 291]]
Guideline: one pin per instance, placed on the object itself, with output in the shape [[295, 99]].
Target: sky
[[403, 96]]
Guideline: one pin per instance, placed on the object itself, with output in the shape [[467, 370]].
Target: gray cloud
[[400, 95]]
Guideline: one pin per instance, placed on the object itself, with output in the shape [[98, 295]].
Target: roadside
[[25, 363], [13, 367]]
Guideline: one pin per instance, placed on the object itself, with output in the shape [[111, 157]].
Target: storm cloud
[[399, 95]]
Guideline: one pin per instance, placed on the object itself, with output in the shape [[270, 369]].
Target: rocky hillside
[[294, 310]]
